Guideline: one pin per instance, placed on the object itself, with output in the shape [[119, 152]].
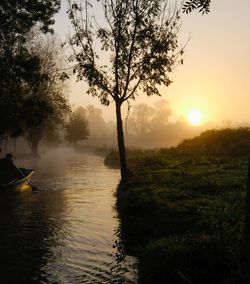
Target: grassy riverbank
[[182, 212]]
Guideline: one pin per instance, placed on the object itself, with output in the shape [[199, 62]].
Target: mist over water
[[68, 232]]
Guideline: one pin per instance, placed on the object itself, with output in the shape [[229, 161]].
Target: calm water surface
[[67, 232]]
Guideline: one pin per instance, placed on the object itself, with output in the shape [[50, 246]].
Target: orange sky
[[215, 74]]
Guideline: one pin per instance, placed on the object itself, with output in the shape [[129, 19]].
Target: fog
[[145, 126]]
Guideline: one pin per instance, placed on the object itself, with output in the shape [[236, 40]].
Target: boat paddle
[[33, 188]]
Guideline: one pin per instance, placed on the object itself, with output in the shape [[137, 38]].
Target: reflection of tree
[[31, 226], [122, 263]]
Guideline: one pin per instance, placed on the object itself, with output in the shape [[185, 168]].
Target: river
[[68, 232]]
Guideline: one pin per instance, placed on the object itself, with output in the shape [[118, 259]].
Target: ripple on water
[[66, 232]]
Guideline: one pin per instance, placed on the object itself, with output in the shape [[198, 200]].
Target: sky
[[215, 75]]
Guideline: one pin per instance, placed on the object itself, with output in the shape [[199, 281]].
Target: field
[[182, 213]]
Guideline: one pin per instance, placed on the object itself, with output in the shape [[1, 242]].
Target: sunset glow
[[194, 117]]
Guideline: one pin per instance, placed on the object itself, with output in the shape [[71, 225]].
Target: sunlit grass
[[184, 215], [182, 212]]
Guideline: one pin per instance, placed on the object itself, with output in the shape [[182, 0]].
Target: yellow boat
[[18, 183]]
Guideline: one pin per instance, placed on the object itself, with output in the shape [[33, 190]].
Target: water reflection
[[66, 233]]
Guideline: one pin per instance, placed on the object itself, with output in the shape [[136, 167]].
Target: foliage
[[201, 5], [77, 128], [15, 97], [46, 114], [215, 144], [136, 159], [19, 16], [139, 40], [19, 68], [218, 142]]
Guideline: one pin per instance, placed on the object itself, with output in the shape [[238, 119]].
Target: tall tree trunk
[[245, 253], [125, 172]]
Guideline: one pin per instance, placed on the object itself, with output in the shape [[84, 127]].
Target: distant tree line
[[88, 124], [154, 126], [228, 142]]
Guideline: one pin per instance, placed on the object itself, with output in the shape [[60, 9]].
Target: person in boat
[[8, 170]]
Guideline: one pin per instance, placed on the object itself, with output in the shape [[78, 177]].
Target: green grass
[[182, 216]]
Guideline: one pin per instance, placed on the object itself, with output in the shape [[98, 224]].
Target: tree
[[139, 43], [139, 121], [77, 128], [18, 66], [202, 5], [162, 114], [49, 105], [95, 120]]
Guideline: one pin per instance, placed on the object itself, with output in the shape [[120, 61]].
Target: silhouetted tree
[[77, 128], [52, 106], [162, 114], [81, 111], [139, 121], [95, 120], [202, 5], [150, 126], [139, 43], [18, 67]]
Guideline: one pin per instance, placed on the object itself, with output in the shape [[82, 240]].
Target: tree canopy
[[19, 68], [202, 5], [17, 17], [77, 127], [50, 105], [140, 45], [140, 41]]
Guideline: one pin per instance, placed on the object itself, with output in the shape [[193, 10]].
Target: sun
[[194, 117]]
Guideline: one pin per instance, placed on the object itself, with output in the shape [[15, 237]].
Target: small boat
[[18, 183]]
